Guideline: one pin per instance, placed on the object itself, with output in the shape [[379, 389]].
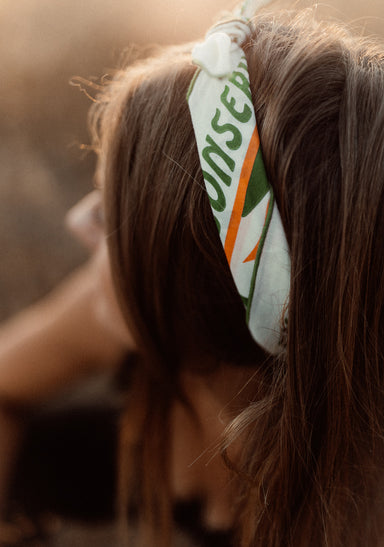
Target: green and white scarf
[[240, 195]]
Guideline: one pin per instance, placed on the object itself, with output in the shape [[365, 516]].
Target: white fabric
[[222, 110]]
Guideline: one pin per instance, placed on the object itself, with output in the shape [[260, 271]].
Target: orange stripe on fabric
[[252, 254], [238, 206]]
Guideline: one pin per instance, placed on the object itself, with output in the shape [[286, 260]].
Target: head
[[318, 98]]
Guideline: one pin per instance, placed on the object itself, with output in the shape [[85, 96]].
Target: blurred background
[[43, 171]]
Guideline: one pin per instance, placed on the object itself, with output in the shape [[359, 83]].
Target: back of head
[[313, 447]]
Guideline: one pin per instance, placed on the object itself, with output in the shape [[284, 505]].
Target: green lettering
[[214, 149], [233, 144], [219, 203], [242, 82], [243, 116]]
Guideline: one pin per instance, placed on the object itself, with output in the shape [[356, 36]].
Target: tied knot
[[213, 55], [218, 54]]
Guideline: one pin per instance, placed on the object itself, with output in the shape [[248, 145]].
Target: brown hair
[[313, 439]]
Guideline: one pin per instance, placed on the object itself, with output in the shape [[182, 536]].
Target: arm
[[56, 342], [47, 347]]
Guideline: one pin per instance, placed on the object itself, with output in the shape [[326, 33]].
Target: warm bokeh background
[[43, 43]]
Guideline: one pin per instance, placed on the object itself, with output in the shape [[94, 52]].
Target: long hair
[[312, 438]]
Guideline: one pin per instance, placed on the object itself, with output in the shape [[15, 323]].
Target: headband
[[241, 198]]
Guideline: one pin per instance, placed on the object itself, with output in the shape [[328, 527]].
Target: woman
[[301, 425]]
